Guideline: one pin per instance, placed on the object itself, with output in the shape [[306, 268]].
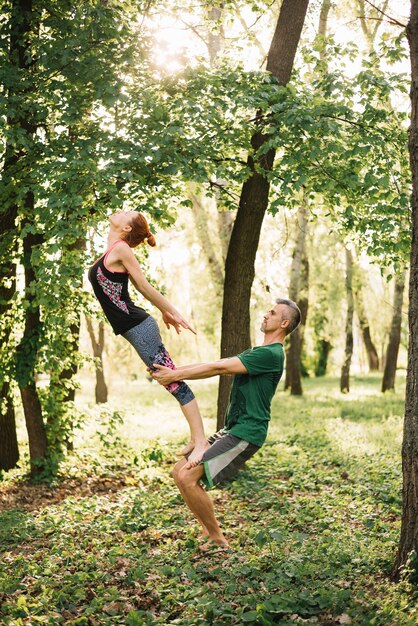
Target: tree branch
[[247, 30], [392, 20]]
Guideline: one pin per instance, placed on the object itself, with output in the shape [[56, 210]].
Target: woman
[[109, 278]]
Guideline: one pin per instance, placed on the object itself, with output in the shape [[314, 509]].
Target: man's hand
[[176, 320], [164, 375]]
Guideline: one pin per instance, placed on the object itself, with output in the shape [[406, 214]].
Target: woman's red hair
[[140, 231]]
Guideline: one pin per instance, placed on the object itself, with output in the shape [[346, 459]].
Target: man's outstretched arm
[[165, 375]]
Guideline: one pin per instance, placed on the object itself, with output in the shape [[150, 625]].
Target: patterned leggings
[[146, 339]]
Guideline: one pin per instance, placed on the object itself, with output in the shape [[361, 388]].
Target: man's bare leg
[[178, 466], [198, 442], [187, 479]]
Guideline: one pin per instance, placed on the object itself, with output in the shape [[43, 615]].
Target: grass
[[313, 520]]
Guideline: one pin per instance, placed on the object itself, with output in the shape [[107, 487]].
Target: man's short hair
[[293, 314]]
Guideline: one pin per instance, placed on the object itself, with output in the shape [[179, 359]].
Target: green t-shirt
[[248, 412]]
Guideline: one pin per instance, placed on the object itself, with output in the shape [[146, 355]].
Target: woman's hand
[[176, 320], [171, 316]]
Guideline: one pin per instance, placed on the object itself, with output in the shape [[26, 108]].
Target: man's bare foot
[[187, 448], [217, 544], [196, 456]]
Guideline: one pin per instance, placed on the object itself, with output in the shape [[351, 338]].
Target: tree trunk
[[388, 382], [323, 22], [69, 372], [61, 382], [225, 225], [216, 40], [98, 347], [239, 266], [324, 347], [215, 43], [345, 371], [9, 451], [298, 292], [372, 356], [408, 543], [201, 221], [67, 375], [27, 353], [216, 36], [74, 328]]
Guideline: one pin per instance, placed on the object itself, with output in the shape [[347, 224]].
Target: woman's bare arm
[[136, 275]]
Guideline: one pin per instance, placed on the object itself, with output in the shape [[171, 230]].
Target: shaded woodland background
[[267, 143], [256, 186]]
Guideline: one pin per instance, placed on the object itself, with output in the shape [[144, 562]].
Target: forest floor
[[313, 521]]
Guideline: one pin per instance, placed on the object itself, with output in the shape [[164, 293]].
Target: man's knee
[[183, 477], [176, 471], [175, 474], [188, 478]]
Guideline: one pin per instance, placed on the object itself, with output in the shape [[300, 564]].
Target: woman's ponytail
[[140, 231]]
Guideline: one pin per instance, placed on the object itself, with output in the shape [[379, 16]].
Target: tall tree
[[323, 23], [372, 356], [298, 292], [239, 265], [299, 271], [408, 543], [348, 352], [24, 25], [215, 42], [216, 35], [392, 350], [27, 354], [98, 347], [202, 219], [18, 55], [56, 62]]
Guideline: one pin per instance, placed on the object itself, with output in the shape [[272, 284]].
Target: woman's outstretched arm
[[136, 275]]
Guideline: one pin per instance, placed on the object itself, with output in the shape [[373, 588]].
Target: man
[[257, 374]]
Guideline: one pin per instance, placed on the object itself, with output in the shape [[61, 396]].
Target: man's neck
[[278, 337]]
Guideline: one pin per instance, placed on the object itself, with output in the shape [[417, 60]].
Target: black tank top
[[111, 290]]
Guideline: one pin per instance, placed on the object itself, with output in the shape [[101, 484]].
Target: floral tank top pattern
[[111, 290]]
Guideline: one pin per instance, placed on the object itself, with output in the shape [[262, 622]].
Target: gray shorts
[[225, 457]]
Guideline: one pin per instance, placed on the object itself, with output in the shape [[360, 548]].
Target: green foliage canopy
[[92, 126]]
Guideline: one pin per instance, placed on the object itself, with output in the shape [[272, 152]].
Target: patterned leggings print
[[146, 340]]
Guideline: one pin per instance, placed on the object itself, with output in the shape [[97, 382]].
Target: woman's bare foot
[[196, 456]]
